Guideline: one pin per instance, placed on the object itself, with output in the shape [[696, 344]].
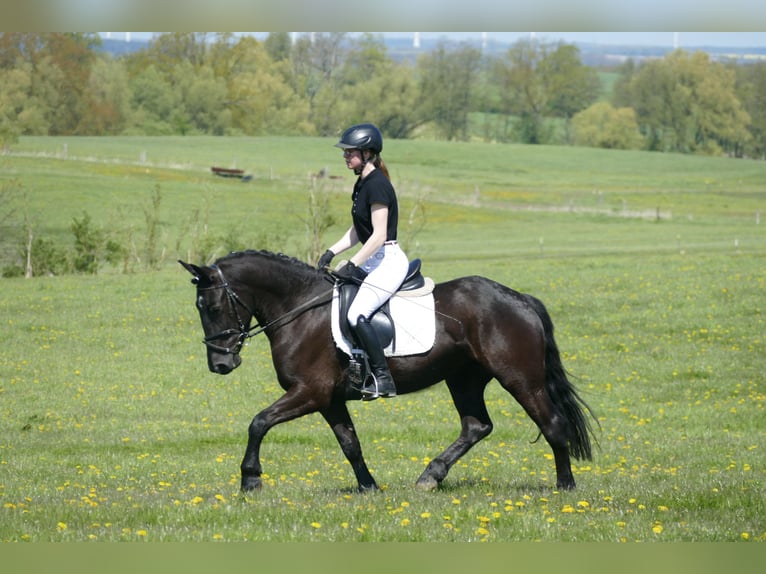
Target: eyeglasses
[[348, 152]]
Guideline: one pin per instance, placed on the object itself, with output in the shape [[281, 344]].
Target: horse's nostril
[[222, 368]]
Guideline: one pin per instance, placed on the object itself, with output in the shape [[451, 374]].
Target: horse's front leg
[[289, 406], [339, 419]]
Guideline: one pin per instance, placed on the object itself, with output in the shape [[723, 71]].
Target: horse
[[484, 331]]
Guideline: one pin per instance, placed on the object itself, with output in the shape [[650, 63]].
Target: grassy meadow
[[653, 267]]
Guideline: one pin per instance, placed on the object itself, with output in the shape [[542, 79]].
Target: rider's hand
[[325, 259], [350, 272]]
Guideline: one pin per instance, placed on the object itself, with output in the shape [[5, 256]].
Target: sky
[[679, 39], [730, 16]]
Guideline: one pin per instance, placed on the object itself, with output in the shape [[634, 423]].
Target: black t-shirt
[[375, 188]]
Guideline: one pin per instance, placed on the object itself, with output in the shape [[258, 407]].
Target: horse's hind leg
[[468, 395], [553, 426]]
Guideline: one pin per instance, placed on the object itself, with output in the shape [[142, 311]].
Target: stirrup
[[370, 392]]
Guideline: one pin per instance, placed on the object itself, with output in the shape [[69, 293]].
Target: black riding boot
[[383, 383]]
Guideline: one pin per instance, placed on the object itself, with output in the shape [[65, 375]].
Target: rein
[[244, 332]]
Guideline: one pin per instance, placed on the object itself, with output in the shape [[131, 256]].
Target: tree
[[377, 90], [58, 67], [687, 103], [446, 86], [569, 85], [153, 101], [108, 98], [260, 98], [314, 75], [536, 80], [278, 46], [521, 91], [204, 100], [751, 91]]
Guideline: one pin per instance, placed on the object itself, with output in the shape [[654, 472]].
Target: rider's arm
[[348, 240]]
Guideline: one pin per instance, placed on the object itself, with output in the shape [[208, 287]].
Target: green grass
[[112, 429]]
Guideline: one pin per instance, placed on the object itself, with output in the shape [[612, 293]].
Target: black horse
[[484, 330]]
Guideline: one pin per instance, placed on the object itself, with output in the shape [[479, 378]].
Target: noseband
[[243, 331]]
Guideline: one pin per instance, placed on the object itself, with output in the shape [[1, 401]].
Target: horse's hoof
[[368, 488], [251, 483], [427, 483]]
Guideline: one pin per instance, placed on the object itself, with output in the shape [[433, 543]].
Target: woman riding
[[380, 263]]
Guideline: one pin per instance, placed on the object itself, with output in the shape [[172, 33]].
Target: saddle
[[381, 320]]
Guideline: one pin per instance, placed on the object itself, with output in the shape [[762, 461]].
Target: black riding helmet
[[362, 136]]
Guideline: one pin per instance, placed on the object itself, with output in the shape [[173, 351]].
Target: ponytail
[[380, 164]]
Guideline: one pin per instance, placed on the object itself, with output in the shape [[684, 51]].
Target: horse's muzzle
[[223, 364]]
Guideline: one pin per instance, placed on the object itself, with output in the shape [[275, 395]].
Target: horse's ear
[[193, 269]]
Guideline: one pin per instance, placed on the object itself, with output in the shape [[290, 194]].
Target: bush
[[602, 125]]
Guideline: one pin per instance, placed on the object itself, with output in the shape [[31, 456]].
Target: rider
[[380, 262]]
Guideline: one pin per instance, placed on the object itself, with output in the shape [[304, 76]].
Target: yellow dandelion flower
[[745, 536], [217, 536], [220, 498], [61, 526], [482, 531], [316, 525], [657, 528], [405, 522], [425, 515], [567, 508], [197, 500], [141, 532]]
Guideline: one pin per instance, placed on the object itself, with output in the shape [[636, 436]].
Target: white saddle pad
[[414, 322]]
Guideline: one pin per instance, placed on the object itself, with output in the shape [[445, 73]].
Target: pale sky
[[583, 15], [688, 39]]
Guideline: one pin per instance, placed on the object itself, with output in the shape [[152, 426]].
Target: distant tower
[[675, 40], [127, 36], [416, 40], [483, 41]]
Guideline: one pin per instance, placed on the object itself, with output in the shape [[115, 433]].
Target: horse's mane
[[280, 258]]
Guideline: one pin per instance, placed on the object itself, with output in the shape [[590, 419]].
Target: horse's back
[[488, 308], [480, 293]]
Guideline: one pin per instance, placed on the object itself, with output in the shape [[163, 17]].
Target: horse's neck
[[274, 287]]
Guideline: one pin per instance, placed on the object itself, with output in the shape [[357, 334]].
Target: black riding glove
[[325, 259], [350, 273]]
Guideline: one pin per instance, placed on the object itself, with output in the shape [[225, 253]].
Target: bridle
[[242, 331]]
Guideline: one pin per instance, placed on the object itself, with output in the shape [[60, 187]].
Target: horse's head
[[225, 318]]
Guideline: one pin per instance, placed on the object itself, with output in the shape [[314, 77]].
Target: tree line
[[222, 84]]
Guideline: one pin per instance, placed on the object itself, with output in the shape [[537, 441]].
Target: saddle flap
[[381, 320]]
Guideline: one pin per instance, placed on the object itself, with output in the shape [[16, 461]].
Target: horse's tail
[[562, 392]]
